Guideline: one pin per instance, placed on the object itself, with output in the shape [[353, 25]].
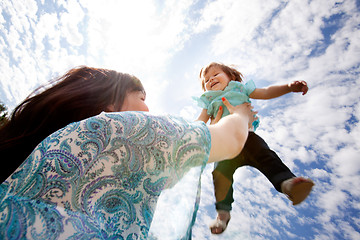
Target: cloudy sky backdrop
[[165, 43]]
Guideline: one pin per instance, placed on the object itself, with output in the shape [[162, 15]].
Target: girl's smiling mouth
[[213, 84]]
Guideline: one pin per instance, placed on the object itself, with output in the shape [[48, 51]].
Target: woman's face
[[135, 101]]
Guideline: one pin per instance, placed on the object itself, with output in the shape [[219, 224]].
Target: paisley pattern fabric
[[100, 178], [235, 92]]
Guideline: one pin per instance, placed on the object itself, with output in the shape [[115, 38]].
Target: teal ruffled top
[[236, 93]]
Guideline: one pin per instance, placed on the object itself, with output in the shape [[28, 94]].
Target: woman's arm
[[228, 136], [279, 90]]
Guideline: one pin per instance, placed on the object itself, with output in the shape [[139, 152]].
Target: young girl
[[223, 83]]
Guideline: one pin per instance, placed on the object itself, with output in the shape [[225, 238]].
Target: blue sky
[[165, 44]]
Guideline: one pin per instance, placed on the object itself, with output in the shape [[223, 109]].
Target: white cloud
[[70, 23], [330, 201], [175, 207], [320, 173], [347, 162], [267, 45], [308, 128], [349, 231], [188, 112], [139, 40], [128, 34], [120, 35]]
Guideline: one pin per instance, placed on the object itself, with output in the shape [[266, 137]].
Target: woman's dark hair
[[81, 93]]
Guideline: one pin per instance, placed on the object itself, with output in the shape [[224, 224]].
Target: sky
[[165, 44]]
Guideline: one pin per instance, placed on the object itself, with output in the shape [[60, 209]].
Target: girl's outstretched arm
[[279, 90]]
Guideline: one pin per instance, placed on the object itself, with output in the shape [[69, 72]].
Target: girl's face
[[216, 79], [135, 101]]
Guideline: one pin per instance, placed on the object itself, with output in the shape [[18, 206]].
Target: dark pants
[[256, 153]]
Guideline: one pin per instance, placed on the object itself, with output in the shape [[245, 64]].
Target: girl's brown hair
[[81, 93], [231, 72]]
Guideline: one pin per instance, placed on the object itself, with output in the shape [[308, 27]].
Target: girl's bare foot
[[297, 188]]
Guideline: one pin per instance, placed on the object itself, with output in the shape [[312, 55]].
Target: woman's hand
[[229, 134], [218, 116], [244, 109]]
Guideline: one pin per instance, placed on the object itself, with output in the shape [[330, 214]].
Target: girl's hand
[[298, 86], [244, 109]]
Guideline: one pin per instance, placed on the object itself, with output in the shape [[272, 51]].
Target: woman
[[99, 174]]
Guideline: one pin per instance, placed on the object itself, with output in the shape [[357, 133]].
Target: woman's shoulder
[[132, 119]]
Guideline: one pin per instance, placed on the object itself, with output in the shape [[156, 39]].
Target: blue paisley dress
[[100, 178]]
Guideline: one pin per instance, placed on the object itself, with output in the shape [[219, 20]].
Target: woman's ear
[[110, 108]]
